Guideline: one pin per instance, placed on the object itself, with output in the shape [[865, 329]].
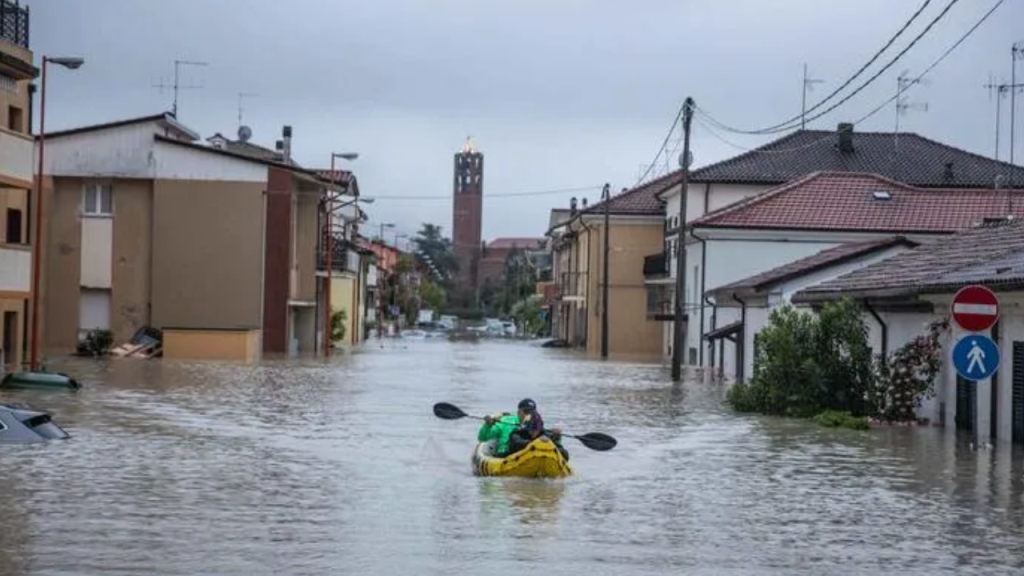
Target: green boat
[[39, 380]]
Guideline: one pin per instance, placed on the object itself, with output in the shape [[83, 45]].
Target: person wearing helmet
[[531, 426]]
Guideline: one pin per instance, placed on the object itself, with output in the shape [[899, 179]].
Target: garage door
[[93, 310]]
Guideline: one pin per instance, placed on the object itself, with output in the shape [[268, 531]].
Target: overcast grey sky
[[556, 93]]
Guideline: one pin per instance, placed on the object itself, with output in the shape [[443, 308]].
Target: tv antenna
[[177, 83], [808, 86], [241, 96], [999, 91]]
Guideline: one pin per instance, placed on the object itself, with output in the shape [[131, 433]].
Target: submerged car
[[20, 425]]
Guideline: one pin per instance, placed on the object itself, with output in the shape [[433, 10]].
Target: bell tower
[[467, 220]]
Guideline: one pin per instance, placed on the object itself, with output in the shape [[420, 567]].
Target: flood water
[[304, 467]]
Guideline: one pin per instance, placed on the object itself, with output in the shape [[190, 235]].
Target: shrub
[[96, 343], [838, 419], [907, 377], [338, 327]]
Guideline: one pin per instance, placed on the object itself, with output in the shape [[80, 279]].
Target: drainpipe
[[741, 345], [703, 276], [263, 271], [714, 324], [586, 290], [882, 324]]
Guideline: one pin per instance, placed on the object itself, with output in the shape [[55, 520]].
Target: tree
[[432, 245]]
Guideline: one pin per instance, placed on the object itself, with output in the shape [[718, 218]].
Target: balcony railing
[[655, 265], [15, 268], [341, 255], [14, 23]]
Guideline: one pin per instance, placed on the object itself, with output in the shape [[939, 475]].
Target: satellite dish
[[244, 133]]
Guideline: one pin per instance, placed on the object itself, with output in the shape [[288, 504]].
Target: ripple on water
[[307, 467]]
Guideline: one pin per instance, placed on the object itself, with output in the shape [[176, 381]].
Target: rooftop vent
[[881, 195]]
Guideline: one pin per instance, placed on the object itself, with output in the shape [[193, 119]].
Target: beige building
[[636, 310], [147, 226], [16, 74]]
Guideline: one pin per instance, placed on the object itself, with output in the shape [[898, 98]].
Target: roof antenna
[[808, 87], [177, 84], [903, 83], [242, 95]]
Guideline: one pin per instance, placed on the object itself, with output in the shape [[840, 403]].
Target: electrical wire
[[487, 196], [790, 125], [881, 106], [664, 144]]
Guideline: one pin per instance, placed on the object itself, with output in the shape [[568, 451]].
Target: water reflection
[[307, 467]]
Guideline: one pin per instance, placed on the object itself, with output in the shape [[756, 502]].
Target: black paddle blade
[[448, 411], [598, 441]]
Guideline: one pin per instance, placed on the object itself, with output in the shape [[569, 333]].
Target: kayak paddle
[[593, 440]]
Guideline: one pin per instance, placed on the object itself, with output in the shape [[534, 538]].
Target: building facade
[[146, 227], [467, 222], [17, 72]]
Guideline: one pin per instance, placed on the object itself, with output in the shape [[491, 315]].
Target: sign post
[[975, 309]]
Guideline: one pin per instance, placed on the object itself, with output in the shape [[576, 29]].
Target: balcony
[[15, 57], [15, 268], [343, 257], [656, 265], [16, 159]]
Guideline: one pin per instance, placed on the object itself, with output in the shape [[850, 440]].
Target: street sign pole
[[975, 356]]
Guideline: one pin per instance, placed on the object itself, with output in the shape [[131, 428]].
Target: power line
[[789, 125], [899, 92], [487, 196], [664, 144]]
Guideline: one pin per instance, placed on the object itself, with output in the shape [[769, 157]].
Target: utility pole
[[808, 85], [177, 83], [1016, 53], [678, 327], [606, 197]]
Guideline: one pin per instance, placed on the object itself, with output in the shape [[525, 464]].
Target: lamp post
[[606, 197], [328, 336], [71, 63], [394, 291], [380, 283]]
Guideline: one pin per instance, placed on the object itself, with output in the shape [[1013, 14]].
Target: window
[[98, 200], [659, 299], [15, 119], [13, 226]]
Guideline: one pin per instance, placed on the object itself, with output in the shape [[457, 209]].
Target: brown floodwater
[[306, 467]]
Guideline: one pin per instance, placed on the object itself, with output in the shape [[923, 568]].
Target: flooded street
[[304, 468]]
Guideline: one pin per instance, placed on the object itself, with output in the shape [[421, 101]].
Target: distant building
[[467, 221], [496, 252]]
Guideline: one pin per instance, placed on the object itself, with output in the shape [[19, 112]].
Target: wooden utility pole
[[679, 327]]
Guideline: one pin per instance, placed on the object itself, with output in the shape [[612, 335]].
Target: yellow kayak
[[540, 459]]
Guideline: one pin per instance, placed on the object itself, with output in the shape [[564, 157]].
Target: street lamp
[[606, 197], [71, 63], [330, 208]]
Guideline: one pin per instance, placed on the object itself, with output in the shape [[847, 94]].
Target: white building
[[923, 282], [920, 162]]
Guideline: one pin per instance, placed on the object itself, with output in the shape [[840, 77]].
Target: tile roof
[[821, 260], [991, 253], [507, 243], [847, 202], [340, 176], [920, 161], [642, 200]]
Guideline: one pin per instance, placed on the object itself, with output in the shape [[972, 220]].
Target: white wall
[[176, 162], [16, 159], [121, 152], [15, 269], [720, 195]]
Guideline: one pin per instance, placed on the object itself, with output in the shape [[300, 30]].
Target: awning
[[729, 332]]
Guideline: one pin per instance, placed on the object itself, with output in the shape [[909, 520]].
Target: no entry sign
[[975, 308]]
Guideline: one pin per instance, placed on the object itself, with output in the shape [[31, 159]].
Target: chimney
[[948, 175], [286, 150], [572, 206], [845, 131], [279, 148]]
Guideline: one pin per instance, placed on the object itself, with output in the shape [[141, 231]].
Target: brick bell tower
[[467, 217]]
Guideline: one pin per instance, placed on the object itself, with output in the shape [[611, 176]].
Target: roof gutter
[[882, 324]]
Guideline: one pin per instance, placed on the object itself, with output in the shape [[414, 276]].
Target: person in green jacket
[[498, 427]]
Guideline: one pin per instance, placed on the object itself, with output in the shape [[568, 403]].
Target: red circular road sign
[[975, 308]]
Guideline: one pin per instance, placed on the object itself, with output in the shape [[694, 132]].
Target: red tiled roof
[[340, 176], [821, 260], [991, 253], [846, 201], [507, 243], [642, 200]]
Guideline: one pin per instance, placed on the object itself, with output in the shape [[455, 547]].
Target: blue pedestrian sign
[[976, 357]]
